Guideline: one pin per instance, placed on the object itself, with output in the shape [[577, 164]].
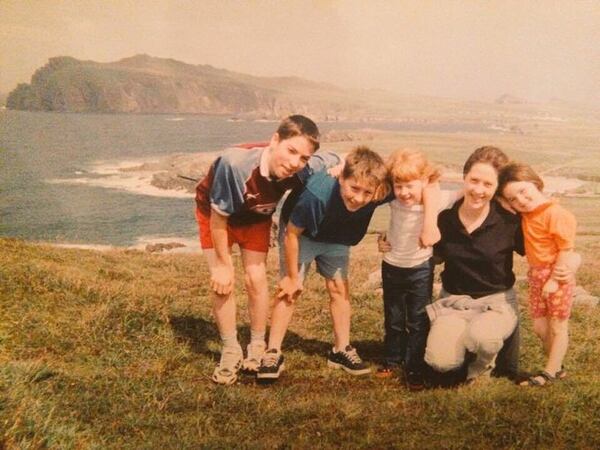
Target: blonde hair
[[410, 164], [362, 163]]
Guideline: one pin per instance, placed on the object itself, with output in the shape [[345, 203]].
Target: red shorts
[[255, 237], [556, 305]]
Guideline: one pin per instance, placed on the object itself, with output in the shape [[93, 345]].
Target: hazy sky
[[465, 49]]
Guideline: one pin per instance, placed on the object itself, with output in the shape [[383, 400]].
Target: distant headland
[[145, 84]]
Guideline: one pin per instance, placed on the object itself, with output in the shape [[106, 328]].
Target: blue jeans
[[406, 292]]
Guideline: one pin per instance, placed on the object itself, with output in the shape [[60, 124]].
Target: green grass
[[115, 350]]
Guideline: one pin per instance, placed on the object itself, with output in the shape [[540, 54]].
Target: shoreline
[[146, 244]]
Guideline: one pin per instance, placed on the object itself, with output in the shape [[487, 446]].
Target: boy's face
[[356, 193], [289, 156], [523, 196], [409, 193]]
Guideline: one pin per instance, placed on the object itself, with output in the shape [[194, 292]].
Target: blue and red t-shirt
[[238, 184]]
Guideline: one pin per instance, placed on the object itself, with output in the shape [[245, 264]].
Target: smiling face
[[480, 185], [523, 196], [356, 193], [289, 156], [409, 193]]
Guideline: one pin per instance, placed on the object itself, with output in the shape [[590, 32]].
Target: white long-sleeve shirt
[[406, 223]]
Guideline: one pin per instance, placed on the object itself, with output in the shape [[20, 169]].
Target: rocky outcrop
[[160, 247]]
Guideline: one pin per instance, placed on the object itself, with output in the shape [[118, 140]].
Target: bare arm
[[221, 275], [431, 205], [289, 286], [566, 265]]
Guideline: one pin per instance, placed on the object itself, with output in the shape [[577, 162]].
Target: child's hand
[[383, 245], [460, 302], [335, 171], [562, 274], [221, 279], [550, 287], [289, 289], [429, 236]]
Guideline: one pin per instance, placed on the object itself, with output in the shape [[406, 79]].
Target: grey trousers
[[461, 323]]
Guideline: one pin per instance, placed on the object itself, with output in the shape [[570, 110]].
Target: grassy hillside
[[115, 350]]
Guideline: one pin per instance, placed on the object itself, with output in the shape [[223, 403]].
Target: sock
[[257, 336], [230, 341]]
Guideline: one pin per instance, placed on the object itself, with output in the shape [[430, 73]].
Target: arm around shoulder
[[431, 206]]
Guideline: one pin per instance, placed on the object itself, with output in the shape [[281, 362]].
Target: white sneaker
[[229, 366], [255, 351]]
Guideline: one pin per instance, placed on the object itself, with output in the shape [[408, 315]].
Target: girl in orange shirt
[[549, 232]]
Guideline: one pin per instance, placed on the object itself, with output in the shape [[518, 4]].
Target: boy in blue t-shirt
[[321, 223]]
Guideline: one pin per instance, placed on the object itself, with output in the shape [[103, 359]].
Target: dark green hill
[[144, 84]]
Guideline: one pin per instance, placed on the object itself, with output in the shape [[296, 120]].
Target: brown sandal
[[534, 380], [561, 374], [384, 372]]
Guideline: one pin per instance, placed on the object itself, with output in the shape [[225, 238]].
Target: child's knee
[[255, 278], [336, 287], [559, 327], [540, 328]]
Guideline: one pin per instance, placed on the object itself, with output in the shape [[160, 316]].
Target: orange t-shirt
[[548, 229]]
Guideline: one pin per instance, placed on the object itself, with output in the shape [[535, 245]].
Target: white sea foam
[[128, 176], [97, 247], [132, 183], [102, 167], [191, 245], [560, 185]]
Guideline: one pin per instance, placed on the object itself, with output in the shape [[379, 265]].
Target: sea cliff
[[144, 84]]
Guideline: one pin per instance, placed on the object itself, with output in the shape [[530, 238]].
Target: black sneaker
[[348, 360], [271, 365], [415, 381]]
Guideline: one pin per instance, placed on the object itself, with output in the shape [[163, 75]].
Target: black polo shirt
[[480, 263]]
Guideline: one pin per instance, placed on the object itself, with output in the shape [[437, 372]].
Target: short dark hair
[[516, 171], [299, 125], [487, 155]]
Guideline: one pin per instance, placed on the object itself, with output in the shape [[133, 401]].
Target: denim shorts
[[331, 259]]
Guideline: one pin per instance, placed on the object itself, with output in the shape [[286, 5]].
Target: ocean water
[[57, 172]]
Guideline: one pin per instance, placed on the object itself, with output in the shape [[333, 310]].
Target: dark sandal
[[561, 374], [534, 380]]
